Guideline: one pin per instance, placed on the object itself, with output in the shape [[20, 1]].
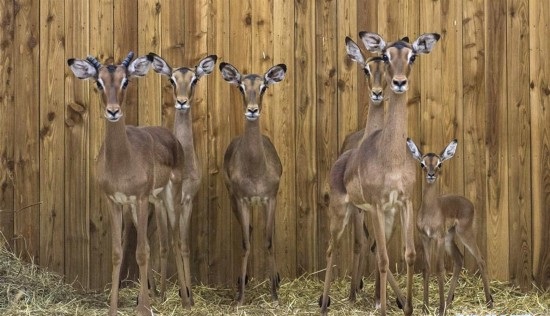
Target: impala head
[[430, 162], [183, 79], [252, 86], [399, 55], [374, 69], [111, 80]]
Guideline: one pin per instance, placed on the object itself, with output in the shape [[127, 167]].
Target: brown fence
[[486, 83]]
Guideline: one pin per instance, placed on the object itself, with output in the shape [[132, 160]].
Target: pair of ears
[[445, 154], [376, 44]]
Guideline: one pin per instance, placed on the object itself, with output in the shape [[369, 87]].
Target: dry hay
[[26, 289]]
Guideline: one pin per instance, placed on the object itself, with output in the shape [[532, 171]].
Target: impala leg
[[116, 235], [142, 256], [452, 250], [184, 234], [359, 248], [269, 233], [162, 230], [440, 255], [338, 221], [426, 272], [244, 213], [175, 221], [469, 241], [410, 253], [381, 255]]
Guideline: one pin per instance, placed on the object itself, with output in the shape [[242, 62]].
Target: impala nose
[[182, 104]]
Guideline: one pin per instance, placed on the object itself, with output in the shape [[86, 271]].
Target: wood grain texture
[[26, 132], [305, 111], [519, 145], [77, 162], [52, 113], [282, 107], [7, 124], [539, 45]]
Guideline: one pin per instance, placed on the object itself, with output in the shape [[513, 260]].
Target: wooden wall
[[486, 83]]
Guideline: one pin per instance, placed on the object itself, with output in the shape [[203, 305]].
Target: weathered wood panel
[[473, 86], [7, 122], [52, 124], [519, 145], [539, 45], [77, 238], [26, 130]]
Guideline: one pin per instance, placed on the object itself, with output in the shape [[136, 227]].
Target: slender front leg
[[142, 256], [440, 255], [269, 233], [116, 235], [359, 249], [426, 272], [410, 253], [244, 213], [453, 251], [184, 233], [382, 254], [162, 229]]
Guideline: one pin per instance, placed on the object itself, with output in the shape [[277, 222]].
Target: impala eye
[[194, 82], [99, 85], [125, 83], [263, 88], [367, 72], [412, 59], [241, 88], [422, 165], [385, 58], [172, 82]]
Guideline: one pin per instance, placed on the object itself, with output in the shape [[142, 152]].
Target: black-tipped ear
[[70, 61], [405, 39]]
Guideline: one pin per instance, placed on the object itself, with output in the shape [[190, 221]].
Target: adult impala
[[252, 168], [378, 175], [374, 69], [134, 165], [440, 219], [184, 81]]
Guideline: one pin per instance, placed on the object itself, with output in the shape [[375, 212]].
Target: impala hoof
[[399, 304], [361, 284], [245, 280], [321, 301]]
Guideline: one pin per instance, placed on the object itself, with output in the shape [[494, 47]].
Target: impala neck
[[252, 146], [117, 146], [430, 193], [183, 130], [394, 134], [375, 118]]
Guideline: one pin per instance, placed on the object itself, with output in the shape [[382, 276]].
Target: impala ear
[[140, 66], [230, 73], [82, 69], [373, 42], [206, 65], [275, 74], [354, 52], [160, 65], [449, 151], [416, 153], [425, 43]]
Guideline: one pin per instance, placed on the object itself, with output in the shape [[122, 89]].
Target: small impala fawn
[[440, 218]]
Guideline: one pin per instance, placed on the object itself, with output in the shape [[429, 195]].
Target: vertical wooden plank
[[149, 112], [7, 122], [219, 212], [26, 149], [195, 39], [125, 39], [475, 164], [282, 117], [52, 114], [240, 56], [101, 30], [346, 120], [519, 144], [305, 111], [77, 163], [496, 142], [262, 59], [326, 104], [539, 45]]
